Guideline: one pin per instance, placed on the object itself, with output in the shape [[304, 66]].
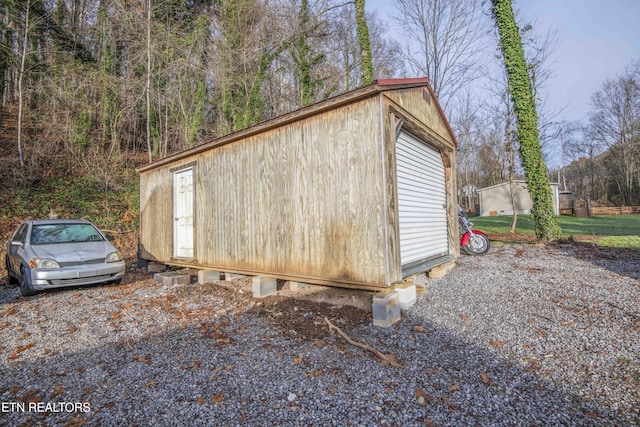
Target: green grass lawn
[[617, 231]]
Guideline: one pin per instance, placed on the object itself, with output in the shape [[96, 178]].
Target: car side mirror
[[110, 237], [17, 243]]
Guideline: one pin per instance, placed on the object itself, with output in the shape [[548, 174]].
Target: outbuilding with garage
[[355, 191]]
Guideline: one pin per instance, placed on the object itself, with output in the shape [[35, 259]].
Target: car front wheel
[[25, 289]]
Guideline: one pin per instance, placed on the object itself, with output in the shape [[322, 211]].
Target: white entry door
[[183, 213], [422, 201]]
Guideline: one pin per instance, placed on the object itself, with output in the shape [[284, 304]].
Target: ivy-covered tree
[[305, 58], [366, 60], [244, 53], [521, 92]]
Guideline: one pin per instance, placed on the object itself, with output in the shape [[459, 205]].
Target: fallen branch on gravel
[[628, 313], [386, 358], [543, 317]]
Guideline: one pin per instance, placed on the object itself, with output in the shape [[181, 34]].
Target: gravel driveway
[[527, 335]]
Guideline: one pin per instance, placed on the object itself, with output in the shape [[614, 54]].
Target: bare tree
[[147, 85], [342, 70], [568, 135], [585, 175], [467, 121], [6, 36], [388, 60], [21, 75], [615, 123], [443, 42]]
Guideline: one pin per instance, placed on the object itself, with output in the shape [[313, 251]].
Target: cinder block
[[296, 286], [208, 276], [264, 286], [406, 295], [177, 279], [386, 308], [232, 276], [158, 276], [155, 267], [172, 278]]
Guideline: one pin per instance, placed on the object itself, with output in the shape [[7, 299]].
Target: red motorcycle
[[472, 242]]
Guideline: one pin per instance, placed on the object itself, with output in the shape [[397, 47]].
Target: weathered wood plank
[[624, 210], [304, 199], [425, 111], [312, 199]]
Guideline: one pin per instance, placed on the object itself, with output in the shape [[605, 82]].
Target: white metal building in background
[[496, 200]]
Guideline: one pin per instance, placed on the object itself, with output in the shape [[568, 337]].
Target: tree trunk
[[23, 60], [512, 167], [148, 81], [303, 65], [511, 156], [521, 92], [366, 65]]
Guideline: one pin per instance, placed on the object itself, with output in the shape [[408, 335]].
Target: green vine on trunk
[[362, 31], [521, 91]]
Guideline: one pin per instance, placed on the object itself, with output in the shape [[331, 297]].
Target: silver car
[[45, 254]]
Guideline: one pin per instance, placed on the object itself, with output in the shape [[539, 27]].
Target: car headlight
[[113, 257], [43, 263]]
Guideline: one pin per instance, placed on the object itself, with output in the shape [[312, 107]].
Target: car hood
[[74, 252]]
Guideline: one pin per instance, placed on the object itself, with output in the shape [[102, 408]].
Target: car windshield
[[46, 234]]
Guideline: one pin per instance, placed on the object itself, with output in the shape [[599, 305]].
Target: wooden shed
[[566, 202], [355, 191]]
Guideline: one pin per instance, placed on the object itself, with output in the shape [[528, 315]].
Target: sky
[[597, 39]]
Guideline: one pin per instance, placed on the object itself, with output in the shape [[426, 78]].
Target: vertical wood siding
[[314, 198], [413, 100], [155, 210], [305, 199]]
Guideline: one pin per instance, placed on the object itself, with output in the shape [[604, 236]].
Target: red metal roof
[[389, 82]]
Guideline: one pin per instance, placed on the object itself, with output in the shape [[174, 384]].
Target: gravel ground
[[527, 335]]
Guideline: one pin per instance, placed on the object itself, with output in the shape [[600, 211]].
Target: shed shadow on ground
[[244, 371], [621, 261]]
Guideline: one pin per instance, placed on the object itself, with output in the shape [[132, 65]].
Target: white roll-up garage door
[[422, 201]]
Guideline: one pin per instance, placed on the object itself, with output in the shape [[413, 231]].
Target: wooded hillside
[[92, 88], [98, 78]]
